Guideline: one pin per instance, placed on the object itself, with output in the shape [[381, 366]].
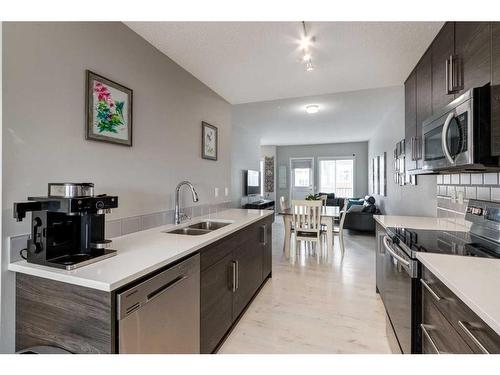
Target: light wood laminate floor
[[315, 303]]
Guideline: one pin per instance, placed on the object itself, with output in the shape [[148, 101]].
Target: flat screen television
[[252, 182]]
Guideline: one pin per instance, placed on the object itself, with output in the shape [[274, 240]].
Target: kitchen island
[[77, 310]]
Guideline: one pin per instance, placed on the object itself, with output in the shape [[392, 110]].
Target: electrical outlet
[[216, 192]]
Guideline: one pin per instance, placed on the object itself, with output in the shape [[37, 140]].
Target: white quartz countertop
[[420, 222], [474, 280], [143, 252]]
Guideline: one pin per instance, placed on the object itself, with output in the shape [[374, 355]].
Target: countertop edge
[[492, 323], [48, 273]]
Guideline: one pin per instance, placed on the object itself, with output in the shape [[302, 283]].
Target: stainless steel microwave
[[459, 136]]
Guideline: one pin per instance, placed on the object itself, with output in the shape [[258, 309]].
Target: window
[[337, 176], [262, 177], [302, 177]]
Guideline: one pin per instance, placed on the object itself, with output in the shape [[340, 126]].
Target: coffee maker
[[67, 226]]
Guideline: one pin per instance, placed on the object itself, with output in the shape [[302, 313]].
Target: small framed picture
[[208, 141], [109, 111]]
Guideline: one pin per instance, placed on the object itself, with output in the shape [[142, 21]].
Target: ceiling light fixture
[[305, 44], [312, 108]]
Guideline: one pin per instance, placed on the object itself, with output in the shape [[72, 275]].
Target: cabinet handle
[[237, 275], [263, 228], [481, 347], [432, 292], [431, 341], [233, 269]]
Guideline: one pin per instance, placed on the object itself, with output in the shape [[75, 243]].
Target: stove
[[398, 270], [480, 241]]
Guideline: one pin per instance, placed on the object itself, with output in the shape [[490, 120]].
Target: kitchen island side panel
[[67, 316]]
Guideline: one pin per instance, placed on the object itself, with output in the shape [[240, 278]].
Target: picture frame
[[109, 107], [209, 141]]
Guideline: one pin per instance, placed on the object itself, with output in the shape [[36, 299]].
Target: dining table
[[328, 215]]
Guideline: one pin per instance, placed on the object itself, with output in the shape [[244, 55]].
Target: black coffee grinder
[[67, 226]]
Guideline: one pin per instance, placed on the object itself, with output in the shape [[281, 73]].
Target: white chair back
[[343, 214], [323, 199], [306, 216]]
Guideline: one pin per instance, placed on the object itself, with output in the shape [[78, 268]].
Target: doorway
[[301, 178]]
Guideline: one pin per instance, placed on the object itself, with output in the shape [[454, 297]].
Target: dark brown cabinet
[[423, 102], [473, 51], [232, 271], [442, 48], [410, 121], [495, 87], [216, 303], [248, 262], [267, 258], [449, 325]]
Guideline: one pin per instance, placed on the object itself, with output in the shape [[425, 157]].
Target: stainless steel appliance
[[398, 270], [459, 137], [162, 313], [67, 226]]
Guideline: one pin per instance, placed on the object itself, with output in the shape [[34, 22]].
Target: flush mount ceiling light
[[305, 44], [312, 108]]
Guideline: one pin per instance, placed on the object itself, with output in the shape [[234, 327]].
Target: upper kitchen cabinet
[[495, 87], [442, 48], [423, 101], [410, 121], [473, 51]]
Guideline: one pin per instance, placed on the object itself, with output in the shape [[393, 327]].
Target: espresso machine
[[67, 226]]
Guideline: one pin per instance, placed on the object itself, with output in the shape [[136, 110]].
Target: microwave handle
[[443, 137]]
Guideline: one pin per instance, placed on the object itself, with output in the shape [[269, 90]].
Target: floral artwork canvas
[[209, 141], [109, 110]]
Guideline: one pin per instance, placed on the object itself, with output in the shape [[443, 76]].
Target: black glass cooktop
[[445, 242]]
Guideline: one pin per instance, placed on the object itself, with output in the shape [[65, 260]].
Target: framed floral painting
[[109, 111], [209, 141]]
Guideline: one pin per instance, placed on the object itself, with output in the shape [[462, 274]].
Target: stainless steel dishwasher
[[162, 314]]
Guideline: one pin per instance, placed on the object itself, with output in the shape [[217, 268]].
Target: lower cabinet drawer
[[438, 335], [477, 334]]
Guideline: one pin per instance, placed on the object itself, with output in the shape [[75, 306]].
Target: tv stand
[[263, 204]]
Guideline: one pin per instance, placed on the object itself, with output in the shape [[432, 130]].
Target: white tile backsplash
[[495, 194], [470, 192], [476, 179], [483, 193], [455, 179], [490, 178], [465, 178], [446, 179]]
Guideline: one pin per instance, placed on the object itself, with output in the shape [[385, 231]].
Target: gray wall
[[419, 200], [43, 125], [360, 149], [245, 155]]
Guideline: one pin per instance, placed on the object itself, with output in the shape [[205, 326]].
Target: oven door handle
[[443, 137], [394, 255]]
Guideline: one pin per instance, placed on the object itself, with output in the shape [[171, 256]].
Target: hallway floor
[[315, 303]]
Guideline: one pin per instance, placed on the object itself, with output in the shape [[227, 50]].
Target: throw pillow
[[354, 202]]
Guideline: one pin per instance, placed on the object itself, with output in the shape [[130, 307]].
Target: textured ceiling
[[260, 61], [343, 117]]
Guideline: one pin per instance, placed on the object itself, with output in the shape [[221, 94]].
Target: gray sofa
[[355, 220]]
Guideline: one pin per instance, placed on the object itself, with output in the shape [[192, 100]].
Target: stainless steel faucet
[[178, 215]]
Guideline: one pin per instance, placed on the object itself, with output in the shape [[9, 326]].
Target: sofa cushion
[[355, 208]]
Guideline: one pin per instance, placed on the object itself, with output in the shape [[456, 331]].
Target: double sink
[[203, 227]]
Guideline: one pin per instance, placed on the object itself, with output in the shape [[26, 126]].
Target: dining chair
[[323, 199], [306, 220], [340, 230]]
